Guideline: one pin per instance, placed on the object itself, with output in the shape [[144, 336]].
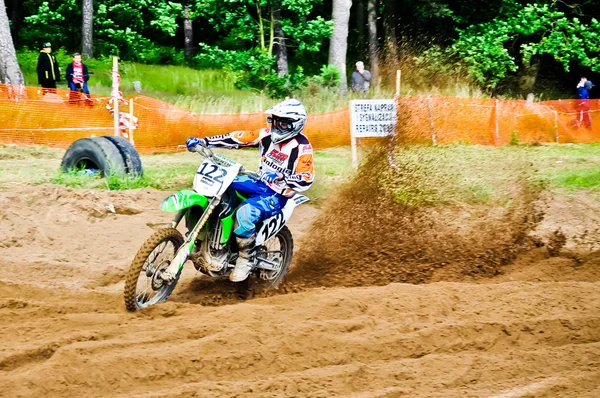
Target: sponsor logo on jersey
[[276, 167], [306, 148], [277, 156], [307, 177]]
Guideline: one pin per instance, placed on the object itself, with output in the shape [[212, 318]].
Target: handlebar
[[204, 151]]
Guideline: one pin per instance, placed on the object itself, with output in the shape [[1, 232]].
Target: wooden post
[[431, 124], [353, 141], [392, 141], [555, 126], [131, 121], [354, 151], [496, 124], [115, 95]]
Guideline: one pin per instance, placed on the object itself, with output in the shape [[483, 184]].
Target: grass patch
[[458, 173], [17, 152], [164, 171], [573, 180], [75, 179], [200, 91], [425, 175], [473, 174]]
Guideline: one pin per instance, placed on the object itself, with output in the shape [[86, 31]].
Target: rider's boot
[[245, 261]]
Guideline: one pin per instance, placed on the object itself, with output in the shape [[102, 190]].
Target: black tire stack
[[109, 155]]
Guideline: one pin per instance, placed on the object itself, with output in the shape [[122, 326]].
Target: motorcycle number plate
[[212, 179]]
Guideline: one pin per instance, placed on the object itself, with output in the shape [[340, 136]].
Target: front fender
[[182, 200]]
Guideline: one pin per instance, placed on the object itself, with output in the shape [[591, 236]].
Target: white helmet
[[287, 120]]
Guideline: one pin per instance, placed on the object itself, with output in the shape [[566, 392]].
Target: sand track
[[533, 331]]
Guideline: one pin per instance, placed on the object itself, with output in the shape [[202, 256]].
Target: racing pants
[[261, 203]]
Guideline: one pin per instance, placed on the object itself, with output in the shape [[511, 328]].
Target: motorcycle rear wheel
[[143, 286], [278, 249]]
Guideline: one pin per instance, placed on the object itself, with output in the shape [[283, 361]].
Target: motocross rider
[[286, 167]]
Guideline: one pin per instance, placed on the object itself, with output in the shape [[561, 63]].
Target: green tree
[[245, 22], [494, 49], [250, 31]]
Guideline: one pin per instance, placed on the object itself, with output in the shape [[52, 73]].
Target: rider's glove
[[192, 142], [271, 176]]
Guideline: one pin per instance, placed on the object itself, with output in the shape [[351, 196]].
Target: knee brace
[[245, 221]]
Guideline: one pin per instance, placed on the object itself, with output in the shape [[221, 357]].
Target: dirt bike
[[209, 210]]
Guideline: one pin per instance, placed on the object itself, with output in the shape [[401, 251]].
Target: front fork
[[188, 245]]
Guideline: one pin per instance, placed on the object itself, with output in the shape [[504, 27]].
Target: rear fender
[[272, 225], [182, 200]]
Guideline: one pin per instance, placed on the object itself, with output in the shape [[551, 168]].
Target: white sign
[[372, 118]]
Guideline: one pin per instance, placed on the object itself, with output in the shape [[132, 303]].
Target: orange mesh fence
[[30, 116], [445, 120], [162, 126]]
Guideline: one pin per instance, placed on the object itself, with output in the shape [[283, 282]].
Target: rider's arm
[[303, 170], [237, 139]]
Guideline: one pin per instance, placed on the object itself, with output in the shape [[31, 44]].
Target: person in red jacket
[[47, 69], [77, 76]]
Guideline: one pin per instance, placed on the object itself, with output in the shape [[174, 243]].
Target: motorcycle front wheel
[[143, 285]]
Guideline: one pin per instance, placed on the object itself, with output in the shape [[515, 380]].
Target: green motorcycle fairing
[[227, 224], [187, 198], [182, 200]]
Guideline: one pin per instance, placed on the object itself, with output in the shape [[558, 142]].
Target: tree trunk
[[373, 42], [359, 12], [14, 19], [528, 75], [188, 32], [261, 27], [87, 46], [339, 39], [281, 57], [10, 72], [390, 33]]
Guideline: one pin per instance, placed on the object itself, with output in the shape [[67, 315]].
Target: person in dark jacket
[[47, 69], [361, 78]]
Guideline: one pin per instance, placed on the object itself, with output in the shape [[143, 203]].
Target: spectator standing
[[47, 69], [583, 103], [77, 76], [361, 78]]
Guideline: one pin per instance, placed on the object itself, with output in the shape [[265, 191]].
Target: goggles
[[281, 124]]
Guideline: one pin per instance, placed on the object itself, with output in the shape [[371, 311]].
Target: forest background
[[275, 48]]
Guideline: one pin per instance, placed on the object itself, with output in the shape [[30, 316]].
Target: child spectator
[[77, 76]]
